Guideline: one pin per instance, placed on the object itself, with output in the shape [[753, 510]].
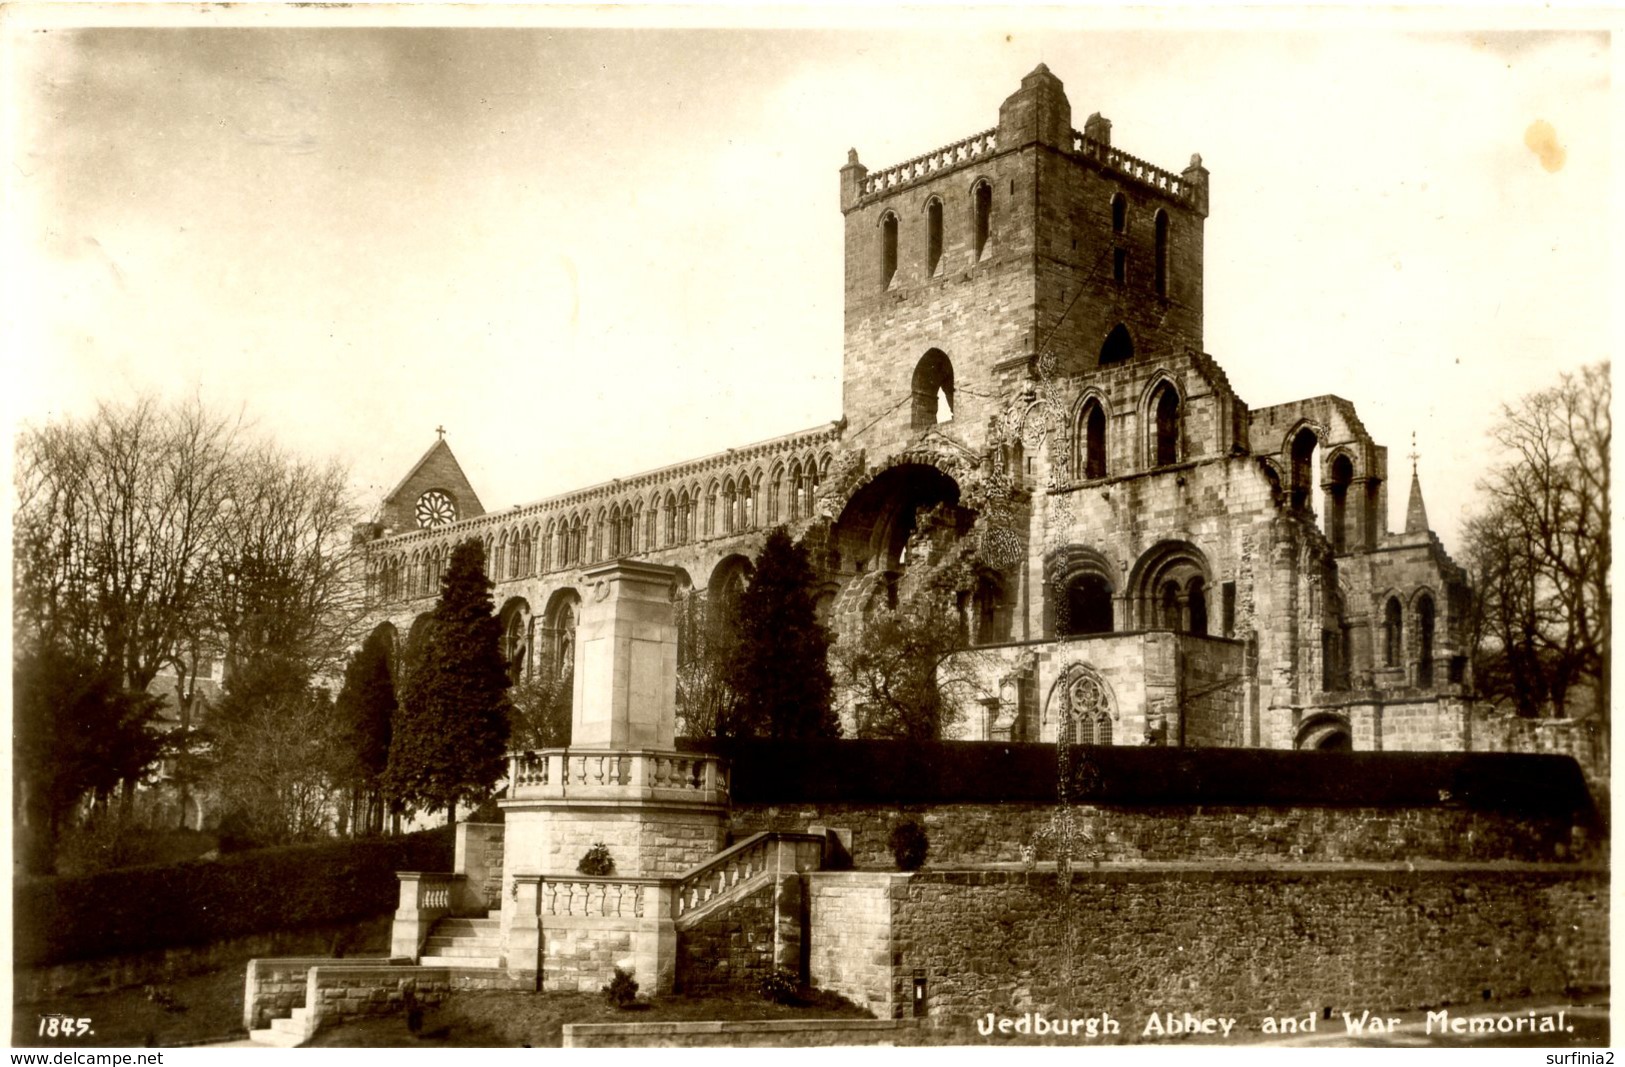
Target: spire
[[1416, 512]]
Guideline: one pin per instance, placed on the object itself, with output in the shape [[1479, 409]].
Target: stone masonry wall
[[731, 948], [987, 833], [851, 936], [580, 959], [1255, 940]]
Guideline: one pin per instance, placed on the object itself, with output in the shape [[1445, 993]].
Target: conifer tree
[[780, 670], [452, 731], [367, 708]]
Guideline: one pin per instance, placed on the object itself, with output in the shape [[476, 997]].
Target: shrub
[[622, 990], [909, 845], [781, 987], [597, 862]]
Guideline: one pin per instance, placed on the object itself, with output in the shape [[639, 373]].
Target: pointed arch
[[1164, 419], [1118, 347], [1089, 441], [981, 200]]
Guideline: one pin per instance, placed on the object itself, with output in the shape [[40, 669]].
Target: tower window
[[1162, 253], [933, 389], [1119, 213], [888, 249], [1120, 266], [933, 236], [982, 216], [1118, 347]]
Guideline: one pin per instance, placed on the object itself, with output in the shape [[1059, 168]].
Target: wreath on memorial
[[597, 863]]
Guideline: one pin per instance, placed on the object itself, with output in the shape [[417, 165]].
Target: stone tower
[[1020, 241]]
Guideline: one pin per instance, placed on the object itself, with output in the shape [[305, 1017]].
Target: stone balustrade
[[587, 897], [976, 146], [1134, 167], [578, 774], [725, 871]]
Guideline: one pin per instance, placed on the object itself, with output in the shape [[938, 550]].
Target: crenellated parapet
[[940, 161], [1188, 188]]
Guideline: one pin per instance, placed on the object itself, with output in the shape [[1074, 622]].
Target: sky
[[587, 251]]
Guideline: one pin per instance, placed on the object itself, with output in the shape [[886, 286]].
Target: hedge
[[947, 772], [57, 920]]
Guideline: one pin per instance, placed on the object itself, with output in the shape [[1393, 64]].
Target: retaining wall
[[1246, 940]]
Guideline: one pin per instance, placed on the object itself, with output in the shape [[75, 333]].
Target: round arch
[[558, 639], [1325, 733], [1079, 587], [516, 635], [880, 515], [1168, 588]]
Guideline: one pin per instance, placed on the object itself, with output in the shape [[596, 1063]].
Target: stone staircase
[[461, 941], [289, 1032]]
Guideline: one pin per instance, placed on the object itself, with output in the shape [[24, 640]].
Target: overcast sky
[[587, 252]]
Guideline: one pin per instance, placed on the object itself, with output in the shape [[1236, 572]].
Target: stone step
[[460, 961], [274, 1038], [462, 925], [461, 946], [294, 1026]]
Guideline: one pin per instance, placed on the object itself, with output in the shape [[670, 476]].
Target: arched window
[[747, 501], [1119, 213], [809, 488], [730, 506], [1120, 266], [1196, 606], [795, 489], [613, 548], [577, 536], [1168, 614], [1337, 513], [1118, 346], [1088, 606], [1424, 627], [933, 388], [981, 216], [669, 512], [775, 490], [933, 237], [548, 553], [711, 510], [1393, 637], [1162, 253], [1165, 419], [888, 249], [684, 519], [1091, 446], [651, 526], [1304, 446], [559, 633]]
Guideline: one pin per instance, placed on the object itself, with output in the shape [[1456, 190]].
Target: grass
[[200, 1007], [537, 1020]]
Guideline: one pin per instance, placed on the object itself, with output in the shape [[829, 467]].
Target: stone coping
[[735, 1026], [1045, 873]]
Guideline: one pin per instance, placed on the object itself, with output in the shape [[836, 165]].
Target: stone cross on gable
[[440, 433]]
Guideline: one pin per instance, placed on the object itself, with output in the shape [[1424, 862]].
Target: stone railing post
[[424, 900], [525, 931]]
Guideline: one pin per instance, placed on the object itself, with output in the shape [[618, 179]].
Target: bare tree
[[151, 538], [1540, 552], [911, 674]]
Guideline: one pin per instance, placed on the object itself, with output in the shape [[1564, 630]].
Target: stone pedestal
[[621, 783], [625, 693]]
